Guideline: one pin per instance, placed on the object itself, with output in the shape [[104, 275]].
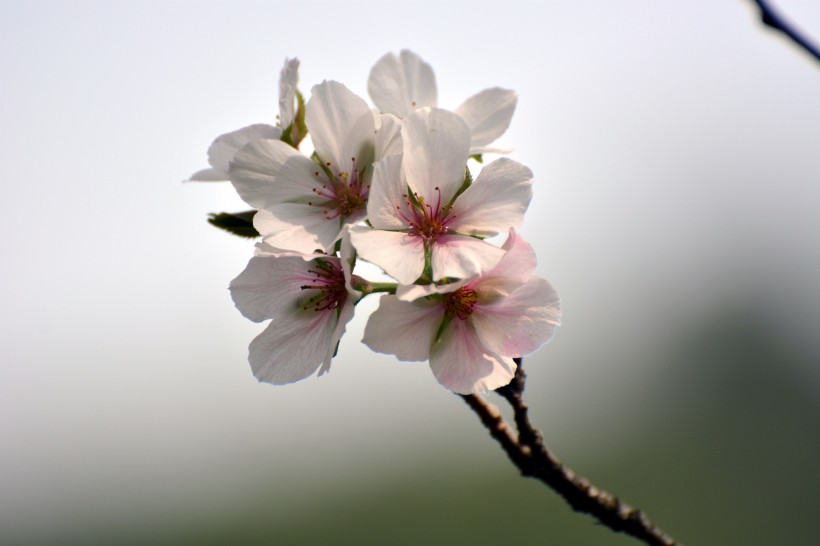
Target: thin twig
[[774, 20], [534, 460]]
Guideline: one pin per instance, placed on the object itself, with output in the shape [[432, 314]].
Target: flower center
[[341, 195], [428, 221], [326, 282], [460, 303]]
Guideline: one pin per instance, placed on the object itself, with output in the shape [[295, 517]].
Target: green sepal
[[444, 322], [478, 157], [323, 165], [427, 273], [294, 133], [468, 180], [238, 223], [301, 128]]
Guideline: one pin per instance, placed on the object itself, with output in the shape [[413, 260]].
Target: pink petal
[[513, 270], [462, 364], [461, 257], [404, 329], [518, 324], [292, 347], [412, 292], [345, 315]]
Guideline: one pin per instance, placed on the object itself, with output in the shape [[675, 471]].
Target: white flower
[[416, 209], [225, 146], [304, 204], [399, 84], [309, 298], [471, 330]]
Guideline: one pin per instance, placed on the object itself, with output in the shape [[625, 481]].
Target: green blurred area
[[729, 457]]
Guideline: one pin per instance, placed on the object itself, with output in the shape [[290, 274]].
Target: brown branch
[[533, 459], [773, 20]]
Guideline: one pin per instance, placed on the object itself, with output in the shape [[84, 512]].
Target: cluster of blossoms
[[390, 186]]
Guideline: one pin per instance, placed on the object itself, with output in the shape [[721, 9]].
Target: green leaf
[[478, 158], [468, 180], [238, 223]]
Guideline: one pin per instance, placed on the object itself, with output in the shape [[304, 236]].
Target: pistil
[[460, 303]]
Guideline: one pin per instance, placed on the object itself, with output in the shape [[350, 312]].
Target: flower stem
[[373, 287], [533, 459]]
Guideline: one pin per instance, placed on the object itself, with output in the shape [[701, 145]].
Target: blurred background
[[676, 149]]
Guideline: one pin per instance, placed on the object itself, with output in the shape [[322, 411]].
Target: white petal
[[292, 347], [520, 323], [208, 175], [341, 126], [297, 181], [253, 170], [488, 114], [400, 255], [299, 227], [388, 136], [223, 149], [288, 79], [496, 200], [264, 249], [462, 257], [386, 202], [478, 150], [404, 329], [436, 147], [269, 286], [399, 85], [463, 365]]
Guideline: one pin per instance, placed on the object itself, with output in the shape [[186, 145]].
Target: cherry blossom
[[304, 203], [310, 301], [471, 330], [224, 147], [420, 211], [399, 84]]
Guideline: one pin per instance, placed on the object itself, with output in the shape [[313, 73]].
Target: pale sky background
[[676, 152]]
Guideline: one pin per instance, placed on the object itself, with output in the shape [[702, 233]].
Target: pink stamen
[[342, 195], [424, 220], [327, 279]]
